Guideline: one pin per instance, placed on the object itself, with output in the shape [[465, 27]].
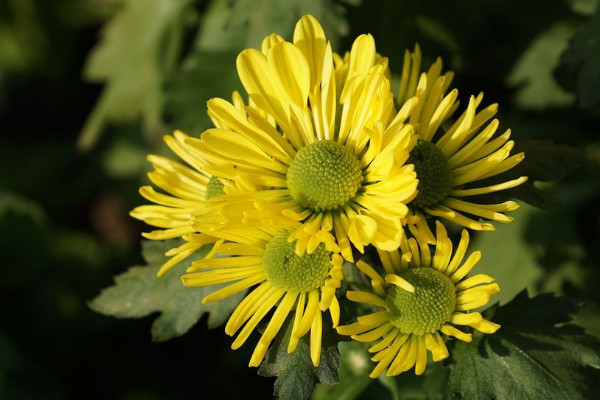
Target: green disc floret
[[433, 172], [324, 175], [214, 187], [286, 270], [425, 310]]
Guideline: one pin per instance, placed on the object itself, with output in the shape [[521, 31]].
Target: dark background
[[64, 224]]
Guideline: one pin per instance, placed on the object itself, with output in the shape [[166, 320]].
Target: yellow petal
[[290, 66], [310, 39], [257, 77], [362, 56]]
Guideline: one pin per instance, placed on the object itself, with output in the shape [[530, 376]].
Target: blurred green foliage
[[532, 74], [580, 65], [113, 76]]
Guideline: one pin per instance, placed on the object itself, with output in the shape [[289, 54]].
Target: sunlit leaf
[[533, 72], [139, 43], [508, 257], [138, 292], [125, 160]]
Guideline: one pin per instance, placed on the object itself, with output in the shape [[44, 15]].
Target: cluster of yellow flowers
[[321, 162]]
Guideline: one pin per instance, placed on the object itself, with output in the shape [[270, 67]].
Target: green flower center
[[324, 176], [433, 172], [425, 310], [285, 270], [214, 187]]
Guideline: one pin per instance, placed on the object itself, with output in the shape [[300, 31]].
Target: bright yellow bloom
[[265, 257], [189, 190], [320, 143], [449, 162], [419, 298]]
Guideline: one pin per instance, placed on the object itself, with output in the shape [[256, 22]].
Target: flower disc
[[288, 271], [425, 310], [324, 175], [214, 188], [433, 173]]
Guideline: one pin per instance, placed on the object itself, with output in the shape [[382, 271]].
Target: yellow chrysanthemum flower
[[419, 298], [189, 190], [265, 257], [319, 143], [449, 162]]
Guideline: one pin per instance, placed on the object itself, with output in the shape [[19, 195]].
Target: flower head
[[189, 190], [420, 298], [286, 281], [318, 162], [320, 143], [450, 162]]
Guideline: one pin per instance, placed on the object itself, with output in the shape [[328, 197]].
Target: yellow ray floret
[[319, 143], [450, 163], [419, 300], [264, 259], [188, 188]]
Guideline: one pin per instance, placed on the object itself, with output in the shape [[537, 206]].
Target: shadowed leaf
[[529, 357], [295, 372]]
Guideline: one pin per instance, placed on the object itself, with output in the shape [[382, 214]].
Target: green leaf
[[228, 27], [391, 384], [138, 292], [14, 204], [216, 33], [580, 65], [547, 161], [432, 385], [204, 75], [139, 43], [544, 161], [589, 317], [124, 159], [208, 71], [295, 372], [233, 25], [534, 355], [508, 257], [533, 72], [355, 366], [532, 194]]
